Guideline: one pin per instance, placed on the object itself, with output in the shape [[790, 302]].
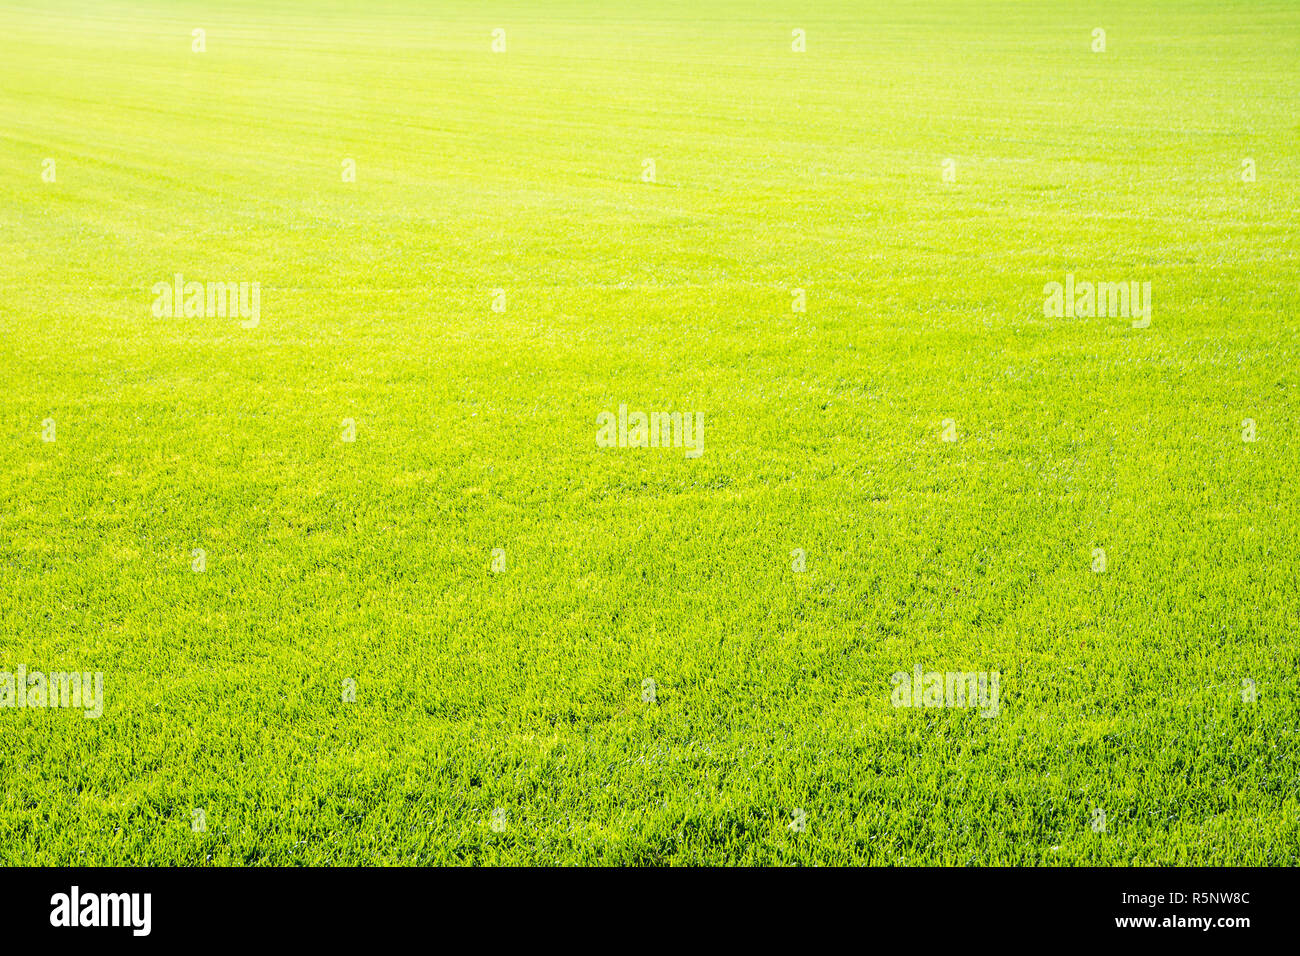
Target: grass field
[[504, 269]]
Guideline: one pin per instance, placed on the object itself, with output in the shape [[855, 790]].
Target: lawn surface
[[504, 716]]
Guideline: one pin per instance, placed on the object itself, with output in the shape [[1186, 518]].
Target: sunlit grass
[[523, 690]]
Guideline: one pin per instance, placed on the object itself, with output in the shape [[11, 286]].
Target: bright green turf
[[476, 430]]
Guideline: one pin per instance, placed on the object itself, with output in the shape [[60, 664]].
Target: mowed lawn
[[502, 712]]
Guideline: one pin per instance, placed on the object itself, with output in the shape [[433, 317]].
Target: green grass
[[522, 690]]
